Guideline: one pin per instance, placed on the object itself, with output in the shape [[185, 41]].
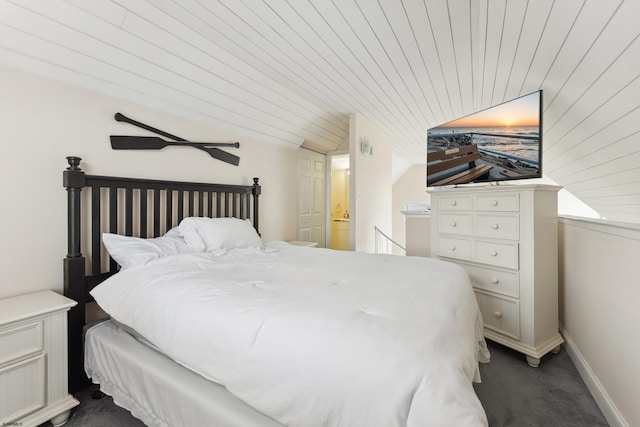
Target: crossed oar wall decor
[[120, 142]]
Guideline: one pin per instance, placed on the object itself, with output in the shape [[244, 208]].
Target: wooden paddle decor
[[119, 142]]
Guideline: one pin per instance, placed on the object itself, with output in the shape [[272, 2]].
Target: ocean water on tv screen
[[520, 147]]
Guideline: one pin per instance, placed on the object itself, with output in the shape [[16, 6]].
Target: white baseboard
[[600, 395]]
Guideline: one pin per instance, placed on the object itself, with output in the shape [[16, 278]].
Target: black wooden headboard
[[132, 207]]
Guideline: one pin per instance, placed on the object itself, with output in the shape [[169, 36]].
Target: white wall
[[411, 187], [370, 184], [600, 313], [42, 121]]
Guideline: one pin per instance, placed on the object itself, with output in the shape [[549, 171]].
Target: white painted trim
[[606, 404], [416, 214], [621, 229]]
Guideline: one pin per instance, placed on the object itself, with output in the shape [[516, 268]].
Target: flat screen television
[[503, 142]]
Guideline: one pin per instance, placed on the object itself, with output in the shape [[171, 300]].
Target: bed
[[233, 331]]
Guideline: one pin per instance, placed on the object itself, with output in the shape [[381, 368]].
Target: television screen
[[500, 143]]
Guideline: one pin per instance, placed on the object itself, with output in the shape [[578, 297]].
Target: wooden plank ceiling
[[291, 71]]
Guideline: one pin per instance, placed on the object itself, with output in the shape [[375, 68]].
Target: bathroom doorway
[[338, 197]]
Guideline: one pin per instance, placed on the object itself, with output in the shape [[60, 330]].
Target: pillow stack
[[194, 234]]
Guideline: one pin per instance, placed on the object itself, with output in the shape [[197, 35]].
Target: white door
[[311, 196]]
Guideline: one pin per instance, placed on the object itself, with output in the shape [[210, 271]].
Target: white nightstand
[[301, 243], [33, 359]]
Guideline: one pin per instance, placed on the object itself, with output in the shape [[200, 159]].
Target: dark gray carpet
[[515, 394], [512, 393]]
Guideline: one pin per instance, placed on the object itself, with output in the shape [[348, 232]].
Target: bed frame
[[133, 207]]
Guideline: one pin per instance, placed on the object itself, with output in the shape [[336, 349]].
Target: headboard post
[[74, 180], [74, 274], [256, 193]]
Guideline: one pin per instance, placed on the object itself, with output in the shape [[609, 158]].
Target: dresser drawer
[[498, 203], [455, 223], [500, 314], [455, 203], [490, 279], [454, 248], [496, 253], [497, 226], [20, 341]]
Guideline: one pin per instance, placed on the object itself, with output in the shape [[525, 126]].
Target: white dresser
[[33, 359], [506, 238]]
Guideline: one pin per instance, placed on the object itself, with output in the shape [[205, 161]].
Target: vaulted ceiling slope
[[290, 71]]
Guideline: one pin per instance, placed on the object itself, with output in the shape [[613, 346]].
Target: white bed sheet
[[156, 389], [315, 337]]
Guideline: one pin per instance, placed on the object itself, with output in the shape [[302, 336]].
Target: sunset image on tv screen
[[499, 143]]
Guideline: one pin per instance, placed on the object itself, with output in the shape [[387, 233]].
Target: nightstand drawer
[[455, 203], [20, 341], [22, 389], [498, 254], [490, 279], [500, 314], [497, 226], [498, 203], [451, 223]]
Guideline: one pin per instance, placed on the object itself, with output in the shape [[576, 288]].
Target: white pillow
[[131, 251], [210, 234]]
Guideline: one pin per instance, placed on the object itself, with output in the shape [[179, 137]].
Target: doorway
[[338, 207]]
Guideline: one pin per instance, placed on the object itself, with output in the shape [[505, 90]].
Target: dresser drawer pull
[[453, 203], [495, 226], [495, 281], [453, 224], [494, 253], [497, 314], [494, 203], [452, 248]]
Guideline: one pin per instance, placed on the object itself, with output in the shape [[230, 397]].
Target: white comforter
[[315, 337]]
